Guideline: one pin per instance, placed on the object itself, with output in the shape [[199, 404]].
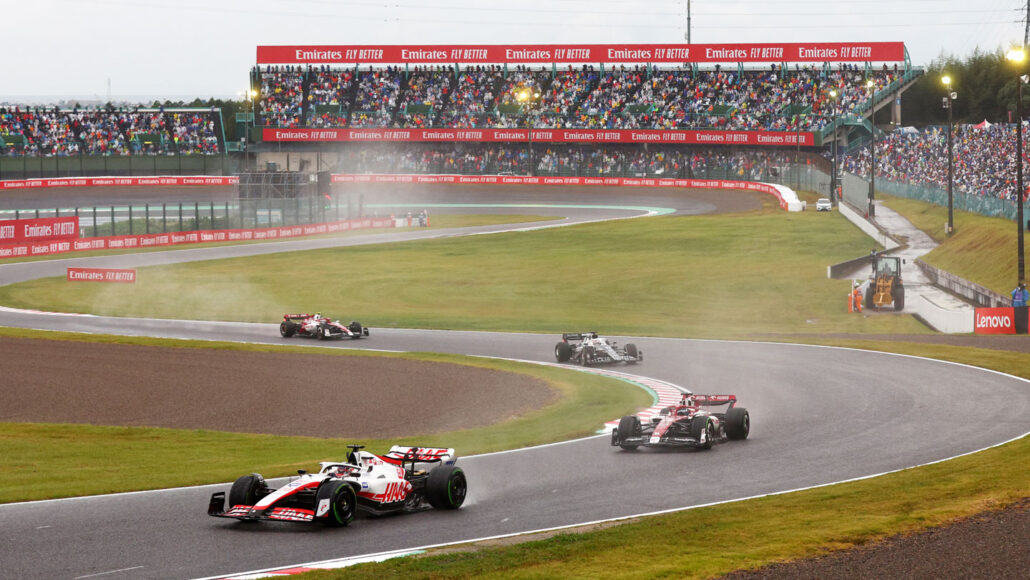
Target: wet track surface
[[816, 418]]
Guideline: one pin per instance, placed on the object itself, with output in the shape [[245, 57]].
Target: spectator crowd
[[984, 159], [619, 97], [55, 132], [566, 160]]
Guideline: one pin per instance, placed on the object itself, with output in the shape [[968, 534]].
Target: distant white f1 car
[[318, 326], [587, 349], [405, 479]]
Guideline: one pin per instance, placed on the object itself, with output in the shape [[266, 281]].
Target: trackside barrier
[[788, 199], [178, 180], [192, 237]]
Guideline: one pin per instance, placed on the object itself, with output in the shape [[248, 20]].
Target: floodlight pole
[[951, 164], [1019, 180]]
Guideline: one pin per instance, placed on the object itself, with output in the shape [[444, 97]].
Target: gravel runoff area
[[317, 395]]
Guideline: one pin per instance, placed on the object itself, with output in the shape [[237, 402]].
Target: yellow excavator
[[885, 287]]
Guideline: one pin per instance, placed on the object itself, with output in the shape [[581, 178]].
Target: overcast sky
[[180, 49]]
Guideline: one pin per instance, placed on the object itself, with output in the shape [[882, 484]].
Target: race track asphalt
[[819, 415]]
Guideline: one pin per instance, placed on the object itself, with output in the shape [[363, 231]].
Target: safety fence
[[138, 241]]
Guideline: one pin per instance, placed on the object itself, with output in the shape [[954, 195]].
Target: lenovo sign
[[994, 321]]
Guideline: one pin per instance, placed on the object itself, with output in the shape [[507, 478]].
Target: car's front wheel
[[247, 490], [446, 487], [703, 430], [629, 426], [588, 356], [335, 503], [631, 351]]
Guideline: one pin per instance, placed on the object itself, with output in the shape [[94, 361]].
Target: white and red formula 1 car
[[318, 326], [405, 479], [587, 348], [692, 423]]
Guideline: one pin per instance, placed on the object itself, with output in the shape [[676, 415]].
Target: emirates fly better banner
[[586, 53], [542, 136], [38, 230]]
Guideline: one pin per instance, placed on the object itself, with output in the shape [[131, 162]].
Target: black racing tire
[[628, 426], [356, 328], [899, 298], [247, 490], [335, 503], [587, 356], [631, 350], [446, 487], [738, 423], [870, 291], [320, 332], [287, 330], [699, 425], [562, 351]]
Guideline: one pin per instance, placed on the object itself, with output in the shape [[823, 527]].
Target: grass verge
[[95, 460], [709, 280], [707, 542], [982, 249]]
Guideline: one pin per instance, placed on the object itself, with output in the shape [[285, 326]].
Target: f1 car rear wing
[[400, 455], [715, 400], [567, 336], [295, 316]]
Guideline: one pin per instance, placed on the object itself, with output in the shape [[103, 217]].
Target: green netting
[[509, 109]]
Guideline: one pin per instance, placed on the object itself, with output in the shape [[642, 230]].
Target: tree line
[[986, 85]]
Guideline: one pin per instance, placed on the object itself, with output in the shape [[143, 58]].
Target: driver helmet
[[318, 316]]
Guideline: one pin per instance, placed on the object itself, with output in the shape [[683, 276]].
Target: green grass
[[706, 542], [715, 276], [982, 249], [95, 459], [437, 221]]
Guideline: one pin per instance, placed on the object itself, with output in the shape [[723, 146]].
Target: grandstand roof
[[584, 53]]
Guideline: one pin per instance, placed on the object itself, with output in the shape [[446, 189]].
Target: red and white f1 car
[[318, 326], [586, 348], [405, 479], [692, 423]]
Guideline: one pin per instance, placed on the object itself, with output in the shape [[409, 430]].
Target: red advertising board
[[542, 180], [771, 138], [102, 275], [994, 321], [18, 250], [179, 180], [38, 230], [584, 53]]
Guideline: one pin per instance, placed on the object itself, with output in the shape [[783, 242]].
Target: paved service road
[[819, 415]]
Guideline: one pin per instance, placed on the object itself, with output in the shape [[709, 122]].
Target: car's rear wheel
[[247, 490], [286, 329], [738, 423], [562, 352], [629, 426], [335, 503], [631, 350], [588, 356], [702, 429], [446, 487]]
